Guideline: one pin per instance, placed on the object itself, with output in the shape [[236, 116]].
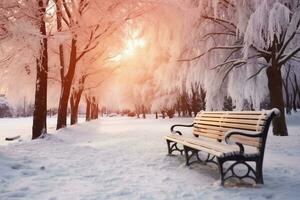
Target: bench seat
[[213, 147]]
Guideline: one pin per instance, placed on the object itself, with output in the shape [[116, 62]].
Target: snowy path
[[122, 158]]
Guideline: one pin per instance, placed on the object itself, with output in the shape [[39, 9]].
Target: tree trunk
[[276, 99], [93, 108], [297, 90], [156, 115], [39, 126], [74, 103], [66, 88], [74, 111], [178, 111], [144, 112], [294, 96], [190, 112], [97, 111], [88, 109], [287, 98], [287, 93]]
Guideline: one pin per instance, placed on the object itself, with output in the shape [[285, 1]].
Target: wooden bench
[[235, 136]]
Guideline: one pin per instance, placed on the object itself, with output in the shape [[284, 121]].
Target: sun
[[132, 45], [130, 48]]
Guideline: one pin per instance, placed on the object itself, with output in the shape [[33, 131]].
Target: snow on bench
[[238, 136]]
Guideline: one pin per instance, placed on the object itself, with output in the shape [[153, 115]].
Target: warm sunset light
[[125, 98], [131, 47]]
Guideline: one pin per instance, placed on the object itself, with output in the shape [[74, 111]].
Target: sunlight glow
[[132, 45], [130, 48]]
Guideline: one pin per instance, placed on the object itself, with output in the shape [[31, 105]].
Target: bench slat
[[239, 121], [217, 149], [227, 126], [231, 125], [255, 142], [220, 136], [208, 134], [234, 112], [232, 116]]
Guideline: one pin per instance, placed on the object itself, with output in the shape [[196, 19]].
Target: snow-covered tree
[[250, 42], [24, 31]]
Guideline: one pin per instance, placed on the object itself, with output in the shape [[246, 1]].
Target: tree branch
[[212, 49]]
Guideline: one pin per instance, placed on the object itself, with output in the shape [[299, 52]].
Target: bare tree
[[39, 126]]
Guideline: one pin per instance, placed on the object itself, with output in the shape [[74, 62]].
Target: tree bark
[[97, 111], [294, 96], [94, 108], [66, 88], [74, 104], [297, 93], [287, 93], [163, 114], [276, 99], [88, 109], [39, 126], [144, 112]]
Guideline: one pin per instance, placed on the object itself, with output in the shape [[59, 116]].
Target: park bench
[[231, 137]]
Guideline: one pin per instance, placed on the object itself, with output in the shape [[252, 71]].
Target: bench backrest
[[215, 124]]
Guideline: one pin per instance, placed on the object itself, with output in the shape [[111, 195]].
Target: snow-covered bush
[[5, 109]]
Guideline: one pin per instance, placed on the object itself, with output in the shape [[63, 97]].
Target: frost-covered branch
[[285, 45], [237, 64], [238, 47], [258, 72], [289, 55], [215, 19], [219, 33]]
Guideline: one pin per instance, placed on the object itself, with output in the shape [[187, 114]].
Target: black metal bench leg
[[259, 172], [221, 170], [172, 146], [169, 147], [187, 156]]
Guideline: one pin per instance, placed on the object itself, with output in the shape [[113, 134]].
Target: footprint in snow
[[166, 179], [16, 166], [29, 173], [268, 196]]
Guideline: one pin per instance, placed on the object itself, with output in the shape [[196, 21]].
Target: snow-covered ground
[[10, 127], [125, 158]]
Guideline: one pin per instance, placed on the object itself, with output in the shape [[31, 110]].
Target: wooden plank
[[255, 142], [231, 125], [216, 128], [236, 112], [209, 131], [217, 146], [210, 151], [175, 139], [212, 136], [240, 121], [209, 123], [220, 136], [242, 126], [233, 116]]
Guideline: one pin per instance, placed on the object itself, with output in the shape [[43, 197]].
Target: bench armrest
[[181, 125], [232, 132]]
